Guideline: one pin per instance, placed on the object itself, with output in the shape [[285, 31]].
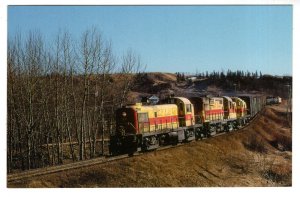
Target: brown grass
[[255, 143], [245, 158]]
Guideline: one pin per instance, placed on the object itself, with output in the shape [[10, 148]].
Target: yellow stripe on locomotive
[[156, 117]]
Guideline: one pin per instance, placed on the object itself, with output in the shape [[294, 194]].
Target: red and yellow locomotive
[[146, 127]]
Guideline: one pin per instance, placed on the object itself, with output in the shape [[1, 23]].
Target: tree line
[[61, 97], [252, 81], [245, 81]]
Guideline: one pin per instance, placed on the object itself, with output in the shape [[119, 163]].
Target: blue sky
[[177, 38]]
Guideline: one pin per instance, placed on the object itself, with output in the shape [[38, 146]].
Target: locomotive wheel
[[198, 135], [163, 139]]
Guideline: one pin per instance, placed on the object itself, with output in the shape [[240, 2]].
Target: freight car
[[254, 103], [270, 100], [146, 127]]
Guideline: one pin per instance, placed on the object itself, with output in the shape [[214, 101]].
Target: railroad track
[[91, 162], [54, 169], [74, 165]]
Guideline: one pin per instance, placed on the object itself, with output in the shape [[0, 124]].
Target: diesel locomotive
[[177, 119]]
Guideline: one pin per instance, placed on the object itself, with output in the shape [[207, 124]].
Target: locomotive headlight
[[124, 114]]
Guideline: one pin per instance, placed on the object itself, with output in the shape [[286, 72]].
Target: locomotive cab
[[185, 111], [241, 107], [229, 108], [200, 105]]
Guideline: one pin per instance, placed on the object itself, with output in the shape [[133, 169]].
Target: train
[[271, 100], [174, 120]]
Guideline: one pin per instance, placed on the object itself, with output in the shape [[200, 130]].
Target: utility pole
[[289, 105], [234, 88]]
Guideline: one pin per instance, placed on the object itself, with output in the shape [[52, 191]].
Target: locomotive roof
[[238, 99], [249, 95], [184, 100], [228, 98], [165, 106], [216, 98]]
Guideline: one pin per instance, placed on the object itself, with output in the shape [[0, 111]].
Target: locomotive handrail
[[133, 126]]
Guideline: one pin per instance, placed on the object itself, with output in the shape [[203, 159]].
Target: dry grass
[[246, 158], [255, 143]]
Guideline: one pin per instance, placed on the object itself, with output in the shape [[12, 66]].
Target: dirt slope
[[162, 77], [259, 155]]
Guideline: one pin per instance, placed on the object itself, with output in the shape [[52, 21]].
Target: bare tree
[[89, 57], [25, 66], [106, 67], [62, 96], [98, 62], [68, 66], [131, 64]]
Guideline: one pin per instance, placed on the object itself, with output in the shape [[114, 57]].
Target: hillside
[[258, 155], [166, 84]]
